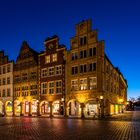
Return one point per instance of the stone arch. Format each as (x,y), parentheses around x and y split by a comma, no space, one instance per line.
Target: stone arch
(73,108)
(17,108)
(8,108)
(44,108)
(1,108)
(92,107)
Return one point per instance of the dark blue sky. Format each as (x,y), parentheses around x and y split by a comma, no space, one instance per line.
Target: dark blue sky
(118,23)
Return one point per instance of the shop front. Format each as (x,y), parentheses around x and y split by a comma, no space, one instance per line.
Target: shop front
(74,108)
(116,108)
(26,108)
(1,108)
(9,108)
(112,109)
(35,107)
(91,109)
(17,108)
(44,108)
(56,108)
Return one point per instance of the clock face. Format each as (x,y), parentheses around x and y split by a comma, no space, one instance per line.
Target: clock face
(50,46)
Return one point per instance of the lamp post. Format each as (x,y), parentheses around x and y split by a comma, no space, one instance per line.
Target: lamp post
(63,106)
(102,106)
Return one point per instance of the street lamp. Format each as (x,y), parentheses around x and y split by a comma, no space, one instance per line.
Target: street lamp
(102,106)
(63,106)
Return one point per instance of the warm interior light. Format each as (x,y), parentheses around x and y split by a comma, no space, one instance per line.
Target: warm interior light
(101,97)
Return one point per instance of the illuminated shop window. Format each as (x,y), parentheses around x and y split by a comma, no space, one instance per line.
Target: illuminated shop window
(93,82)
(74,84)
(83,84)
(56,108)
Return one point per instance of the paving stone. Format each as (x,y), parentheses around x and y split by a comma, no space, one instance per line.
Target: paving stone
(119,127)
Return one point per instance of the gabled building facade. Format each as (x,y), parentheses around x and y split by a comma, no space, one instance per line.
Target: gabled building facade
(80,82)
(52,78)
(6,85)
(26,95)
(91,90)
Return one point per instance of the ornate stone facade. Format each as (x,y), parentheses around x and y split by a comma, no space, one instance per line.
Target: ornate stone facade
(6,85)
(26,95)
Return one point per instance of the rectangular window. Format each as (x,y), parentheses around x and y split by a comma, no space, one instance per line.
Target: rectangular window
(83,54)
(4,69)
(92,82)
(43,72)
(58,86)
(3,94)
(58,70)
(54,57)
(74,56)
(8,80)
(83,68)
(8,92)
(51,87)
(17,79)
(92,51)
(44,88)
(4,81)
(47,59)
(74,84)
(75,70)
(83,41)
(24,76)
(33,75)
(8,68)
(51,71)
(92,67)
(83,84)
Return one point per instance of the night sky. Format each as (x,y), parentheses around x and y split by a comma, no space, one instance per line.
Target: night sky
(117,21)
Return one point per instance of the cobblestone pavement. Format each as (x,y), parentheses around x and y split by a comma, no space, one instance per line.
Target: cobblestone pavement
(119,127)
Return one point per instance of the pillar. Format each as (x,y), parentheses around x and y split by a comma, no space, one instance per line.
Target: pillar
(21,110)
(38,109)
(51,115)
(30,108)
(82,110)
